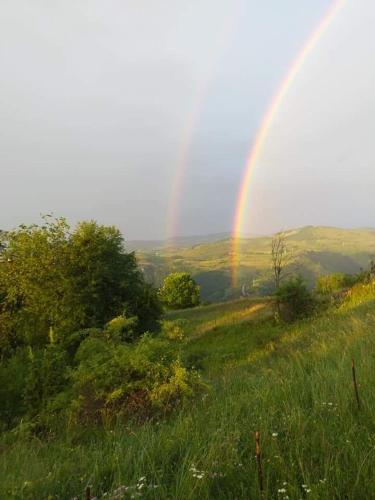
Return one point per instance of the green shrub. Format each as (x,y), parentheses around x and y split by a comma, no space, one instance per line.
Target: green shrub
(173,330)
(295,299)
(46,377)
(122,328)
(135,381)
(332,283)
(13,373)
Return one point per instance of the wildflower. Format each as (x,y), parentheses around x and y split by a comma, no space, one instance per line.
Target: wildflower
(275,434)
(281,490)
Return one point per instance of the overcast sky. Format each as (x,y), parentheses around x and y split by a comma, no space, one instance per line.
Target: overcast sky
(97,98)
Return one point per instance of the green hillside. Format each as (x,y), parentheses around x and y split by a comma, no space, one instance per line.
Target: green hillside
(316,251)
(292,383)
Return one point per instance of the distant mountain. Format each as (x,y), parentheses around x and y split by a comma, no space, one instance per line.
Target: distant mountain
(317,251)
(179,242)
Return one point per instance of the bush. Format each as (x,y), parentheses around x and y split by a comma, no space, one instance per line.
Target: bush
(332,283)
(180,291)
(122,329)
(295,300)
(13,373)
(135,381)
(173,330)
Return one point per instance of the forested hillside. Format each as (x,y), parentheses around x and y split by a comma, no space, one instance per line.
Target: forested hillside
(316,251)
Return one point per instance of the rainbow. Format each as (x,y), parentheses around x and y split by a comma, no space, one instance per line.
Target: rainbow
(182,164)
(192,122)
(264,128)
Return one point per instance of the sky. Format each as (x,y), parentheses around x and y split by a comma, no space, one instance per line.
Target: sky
(136,113)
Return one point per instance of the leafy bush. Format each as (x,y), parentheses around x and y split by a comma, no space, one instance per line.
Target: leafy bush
(295,299)
(173,330)
(74,309)
(180,291)
(134,381)
(13,372)
(335,282)
(122,328)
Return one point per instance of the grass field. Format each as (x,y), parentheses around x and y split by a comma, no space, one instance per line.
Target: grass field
(293,384)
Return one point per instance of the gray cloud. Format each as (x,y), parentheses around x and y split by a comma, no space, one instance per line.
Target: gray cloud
(95,98)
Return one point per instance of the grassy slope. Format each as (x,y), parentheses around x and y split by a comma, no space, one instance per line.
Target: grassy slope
(293,384)
(317,250)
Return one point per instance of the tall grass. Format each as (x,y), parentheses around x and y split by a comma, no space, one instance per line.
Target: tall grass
(294,387)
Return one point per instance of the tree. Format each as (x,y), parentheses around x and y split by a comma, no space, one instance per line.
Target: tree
(294,299)
(280,258)
(34,284)
(54,281)
(179,291)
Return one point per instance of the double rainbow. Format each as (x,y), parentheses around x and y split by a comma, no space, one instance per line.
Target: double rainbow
(264,128)
(257,145)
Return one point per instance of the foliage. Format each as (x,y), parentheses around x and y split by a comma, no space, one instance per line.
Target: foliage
(180,291)
(122,328)
(54,281)
(13,373)
(173,330)
(130,381)
(335,282)
(291,382)
(96,376)
(295,299)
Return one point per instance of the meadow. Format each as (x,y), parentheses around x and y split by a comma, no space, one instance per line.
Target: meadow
(291,383)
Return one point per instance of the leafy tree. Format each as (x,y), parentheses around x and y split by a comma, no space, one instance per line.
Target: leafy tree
(107,279)
(180,291)
(35,284)
(55,281)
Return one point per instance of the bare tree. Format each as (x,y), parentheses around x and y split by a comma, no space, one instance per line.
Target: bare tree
(280,258)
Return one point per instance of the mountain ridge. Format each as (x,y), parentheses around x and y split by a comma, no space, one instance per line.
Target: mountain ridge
(317,251)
